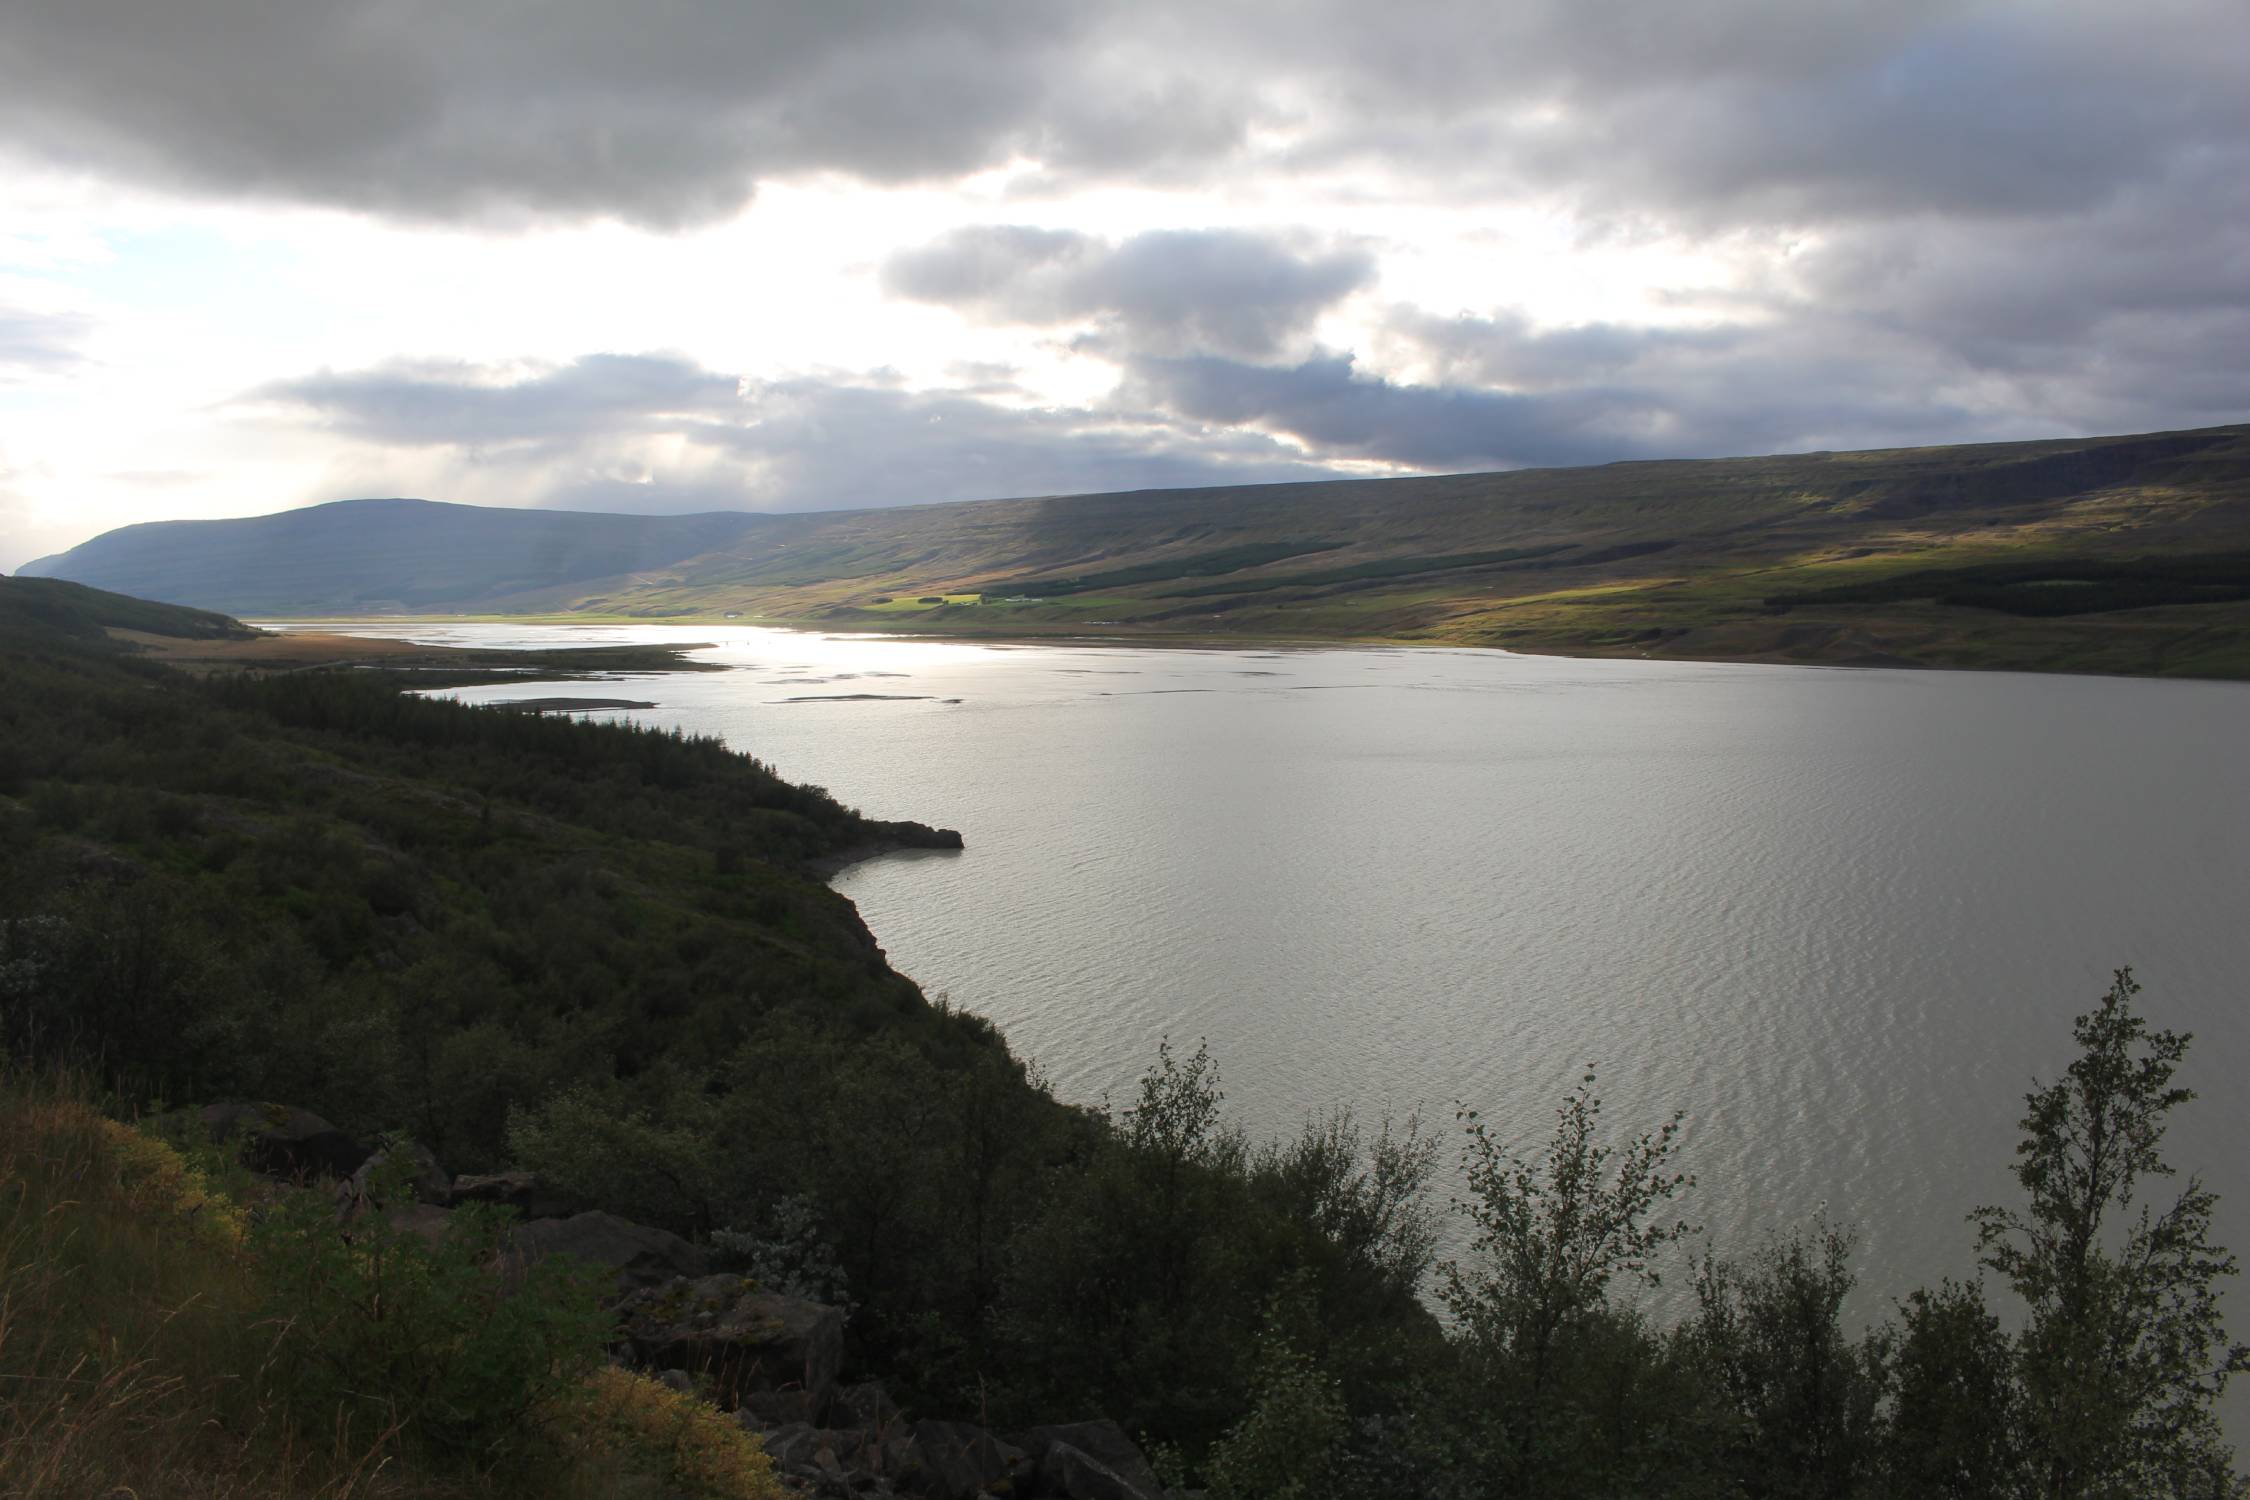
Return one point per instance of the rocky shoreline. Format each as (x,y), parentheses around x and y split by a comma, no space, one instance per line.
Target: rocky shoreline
(890,838)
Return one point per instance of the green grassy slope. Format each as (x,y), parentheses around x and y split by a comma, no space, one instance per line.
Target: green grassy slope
(1796,557)
(1829,557)
(32,605)
(604,955)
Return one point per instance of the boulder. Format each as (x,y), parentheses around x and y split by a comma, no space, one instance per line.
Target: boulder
(530,1198)
(638,1255)
(276,1139)
(421,1178)
(800,1444)
(743,1340)
(834,1460)
(1102,1462)
(425,1221)
(780,1408)
(867,1405)
(1068,1474)
(955,1461)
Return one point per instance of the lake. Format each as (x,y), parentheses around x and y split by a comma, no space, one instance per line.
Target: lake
(1841,918)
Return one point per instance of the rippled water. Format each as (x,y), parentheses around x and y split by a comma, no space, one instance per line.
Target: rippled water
(1839,917)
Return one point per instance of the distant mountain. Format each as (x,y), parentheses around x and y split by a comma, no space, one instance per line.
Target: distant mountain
(2118,554)
(383,556)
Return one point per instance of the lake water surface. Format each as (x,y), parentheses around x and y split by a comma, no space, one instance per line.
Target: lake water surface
(1841,918)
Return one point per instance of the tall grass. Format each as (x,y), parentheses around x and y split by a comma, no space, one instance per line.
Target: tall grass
(150,1348)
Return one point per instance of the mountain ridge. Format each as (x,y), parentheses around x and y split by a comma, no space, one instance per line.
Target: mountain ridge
(1785,557)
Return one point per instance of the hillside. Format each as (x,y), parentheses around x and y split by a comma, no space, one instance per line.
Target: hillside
(605,957)
(203,642)
(2125,554)
(382,556)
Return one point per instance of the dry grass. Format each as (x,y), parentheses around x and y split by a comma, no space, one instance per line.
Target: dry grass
(125,1316)
(697,1451)
(138,1356)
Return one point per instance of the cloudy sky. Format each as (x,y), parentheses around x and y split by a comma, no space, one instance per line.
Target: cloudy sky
(701,254)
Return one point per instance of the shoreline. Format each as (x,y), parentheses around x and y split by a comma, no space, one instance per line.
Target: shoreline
(906,838)
(1164,642)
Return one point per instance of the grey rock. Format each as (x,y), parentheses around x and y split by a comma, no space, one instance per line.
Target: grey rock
(1069,1474)
(424,1180)
(961,1462)
(1102,1443)
(425,1221)
(276,1139)
(638,1255)
(744,1341)
(867,1405)
(521,1191)
(780,1408)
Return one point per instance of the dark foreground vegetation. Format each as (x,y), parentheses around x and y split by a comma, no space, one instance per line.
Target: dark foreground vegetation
(596,955)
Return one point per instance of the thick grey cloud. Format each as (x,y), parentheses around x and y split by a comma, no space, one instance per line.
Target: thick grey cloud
(661,114)
(656,433)
(1230,290)
(1778,110)
(1617,391)
(419,404)
(1770,111)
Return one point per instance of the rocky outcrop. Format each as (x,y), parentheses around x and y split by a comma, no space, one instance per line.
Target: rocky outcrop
(276,1139)
(881,839)
(740,1341)
(521,1191)
(637,1255)
(955,1461)
(1089,1461)
(426,1221)
(412,1168)
(1067,1474)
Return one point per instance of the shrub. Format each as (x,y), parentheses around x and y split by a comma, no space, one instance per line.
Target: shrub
(389,1332)
(622,1419)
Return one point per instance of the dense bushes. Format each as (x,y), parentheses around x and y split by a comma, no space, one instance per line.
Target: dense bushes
(388,1330)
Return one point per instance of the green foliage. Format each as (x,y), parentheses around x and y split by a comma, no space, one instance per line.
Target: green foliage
(1289,1445)
(595,1147)
(389,1331)
(72,609)
(1138,1286)
(1954,1421)
(1532,1301)
(2125,1354)
(1381,568)
(2052,586)
(1194,565)
(1799,1393)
